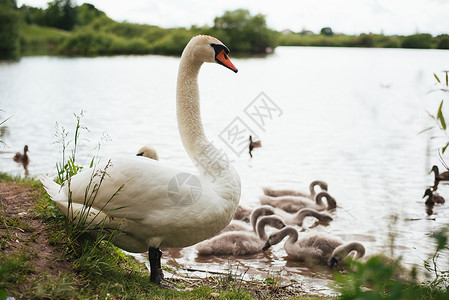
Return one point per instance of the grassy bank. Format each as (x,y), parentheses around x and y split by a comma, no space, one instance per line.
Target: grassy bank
(38,260)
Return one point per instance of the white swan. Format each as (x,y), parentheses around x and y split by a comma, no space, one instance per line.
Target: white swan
(240,242)
(312,248)
(147,151)
(152,205)
(294,203)
(285,192)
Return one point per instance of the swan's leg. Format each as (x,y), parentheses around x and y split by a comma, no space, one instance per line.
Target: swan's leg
(159,266)
(154,255)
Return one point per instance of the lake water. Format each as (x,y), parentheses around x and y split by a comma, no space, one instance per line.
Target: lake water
(348,116)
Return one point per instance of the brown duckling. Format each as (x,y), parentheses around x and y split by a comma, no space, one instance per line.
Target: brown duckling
(253,144)
(22,158)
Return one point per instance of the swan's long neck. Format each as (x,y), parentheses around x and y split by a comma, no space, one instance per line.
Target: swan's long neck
(312,189)
(319,198)
(348,248)
(261,211)
(305,212)
(188,106)
(292,234)
(208,160)
(260,227)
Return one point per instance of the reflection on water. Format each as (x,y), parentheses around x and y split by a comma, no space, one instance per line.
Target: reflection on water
(350,117)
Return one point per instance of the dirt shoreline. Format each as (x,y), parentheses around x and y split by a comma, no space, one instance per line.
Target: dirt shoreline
(22,230)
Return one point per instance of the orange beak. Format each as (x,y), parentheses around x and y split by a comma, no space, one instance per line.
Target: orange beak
(223,59)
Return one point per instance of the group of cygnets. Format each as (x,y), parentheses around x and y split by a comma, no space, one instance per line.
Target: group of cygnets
(285,210)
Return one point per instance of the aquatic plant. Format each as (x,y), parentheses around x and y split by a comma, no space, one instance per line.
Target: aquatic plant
(382,277)
(440,120)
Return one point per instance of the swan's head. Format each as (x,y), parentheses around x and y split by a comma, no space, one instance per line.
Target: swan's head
(325,218)
(278,236)
(273,221)
(331,203)
(206,48)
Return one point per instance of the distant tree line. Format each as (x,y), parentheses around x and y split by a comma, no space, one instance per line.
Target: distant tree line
(327,38)
(66,29)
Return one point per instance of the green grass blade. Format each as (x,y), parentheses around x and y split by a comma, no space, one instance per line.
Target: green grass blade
(440,116)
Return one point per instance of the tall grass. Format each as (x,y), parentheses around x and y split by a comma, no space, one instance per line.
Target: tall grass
(82,218)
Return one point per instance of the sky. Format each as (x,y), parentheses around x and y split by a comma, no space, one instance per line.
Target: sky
(403,17)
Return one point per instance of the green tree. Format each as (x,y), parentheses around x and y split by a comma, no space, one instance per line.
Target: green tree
(87,13)
(9,29)
(420,40)
(443,41)
(33,15)
(244,32)
(326,31)
(364,40)
(61,14)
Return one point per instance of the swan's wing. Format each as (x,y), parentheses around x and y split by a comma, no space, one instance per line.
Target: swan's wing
(129,187)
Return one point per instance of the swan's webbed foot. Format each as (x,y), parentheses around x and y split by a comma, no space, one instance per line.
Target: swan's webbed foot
(156,273)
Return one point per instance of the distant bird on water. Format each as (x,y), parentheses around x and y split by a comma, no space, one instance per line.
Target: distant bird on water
(22,158)
(147,151)
(434,198)
(439,176)
(252,145)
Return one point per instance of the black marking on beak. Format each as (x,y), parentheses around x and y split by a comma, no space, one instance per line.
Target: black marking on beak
(332,262)
(266,246)
(139,154)
(219,47)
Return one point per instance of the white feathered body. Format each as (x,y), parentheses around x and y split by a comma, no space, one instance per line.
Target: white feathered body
(134,194)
